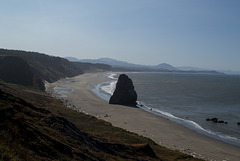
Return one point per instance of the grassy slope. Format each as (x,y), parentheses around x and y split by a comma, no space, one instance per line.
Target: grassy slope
(35,126)
(45,67)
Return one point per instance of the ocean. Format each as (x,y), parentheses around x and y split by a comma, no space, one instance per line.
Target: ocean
(187,99)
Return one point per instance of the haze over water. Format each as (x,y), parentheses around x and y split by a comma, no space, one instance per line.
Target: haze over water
(189,99)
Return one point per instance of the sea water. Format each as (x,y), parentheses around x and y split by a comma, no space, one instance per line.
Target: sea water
(187,99)
(61,91)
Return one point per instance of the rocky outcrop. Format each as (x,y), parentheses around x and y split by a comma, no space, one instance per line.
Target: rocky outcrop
(124,93)
(215,120)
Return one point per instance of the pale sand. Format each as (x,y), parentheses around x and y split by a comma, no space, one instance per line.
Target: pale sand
(161,130)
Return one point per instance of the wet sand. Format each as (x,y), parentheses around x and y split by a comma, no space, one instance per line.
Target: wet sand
(161,130)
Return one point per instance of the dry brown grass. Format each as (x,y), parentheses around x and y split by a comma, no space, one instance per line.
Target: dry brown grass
(35,126)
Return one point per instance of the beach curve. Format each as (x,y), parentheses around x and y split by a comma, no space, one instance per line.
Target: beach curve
(161,130)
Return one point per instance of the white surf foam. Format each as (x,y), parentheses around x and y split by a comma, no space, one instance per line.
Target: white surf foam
(104,90)
(112,75)
(110,88)
(190,124)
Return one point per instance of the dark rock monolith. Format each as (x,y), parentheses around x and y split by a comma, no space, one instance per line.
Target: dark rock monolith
(124,93)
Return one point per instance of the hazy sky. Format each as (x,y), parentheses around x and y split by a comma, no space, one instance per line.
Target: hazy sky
(199,33)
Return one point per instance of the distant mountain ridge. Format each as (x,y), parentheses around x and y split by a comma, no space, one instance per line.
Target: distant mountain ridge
(187,68)
(230,72)
(109,61)
(163,67)
(123,64)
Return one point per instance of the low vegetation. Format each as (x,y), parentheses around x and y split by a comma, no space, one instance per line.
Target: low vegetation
(35,126)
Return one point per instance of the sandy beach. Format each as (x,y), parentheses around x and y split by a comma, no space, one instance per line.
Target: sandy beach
(161,130)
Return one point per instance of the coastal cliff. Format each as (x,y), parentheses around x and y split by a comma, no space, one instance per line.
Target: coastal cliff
(33,68)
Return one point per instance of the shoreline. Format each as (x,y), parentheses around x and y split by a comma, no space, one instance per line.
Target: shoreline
(163,131)
(107,90)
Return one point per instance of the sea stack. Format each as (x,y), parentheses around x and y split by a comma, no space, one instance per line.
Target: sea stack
(124,93)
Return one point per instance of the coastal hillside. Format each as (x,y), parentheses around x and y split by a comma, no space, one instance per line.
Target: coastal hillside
(32,68)
(91,67)
(35,126)
(16,70)
(48,68)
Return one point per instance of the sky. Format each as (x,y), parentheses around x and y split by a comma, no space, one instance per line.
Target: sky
(197,33)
